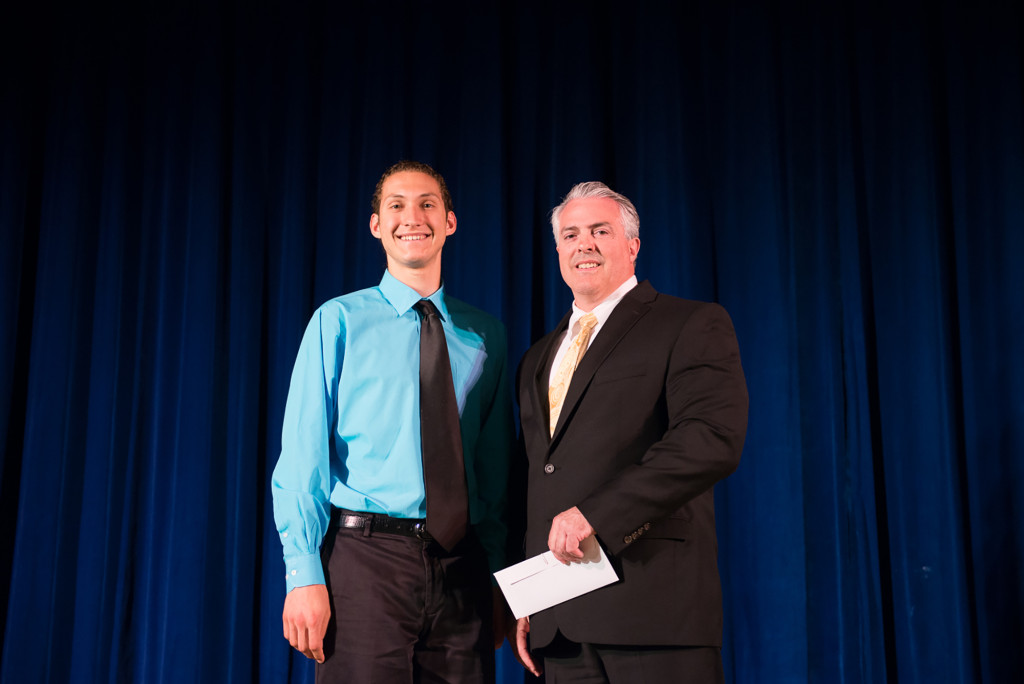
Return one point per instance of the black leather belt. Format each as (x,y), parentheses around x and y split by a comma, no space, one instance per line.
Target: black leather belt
(377,523)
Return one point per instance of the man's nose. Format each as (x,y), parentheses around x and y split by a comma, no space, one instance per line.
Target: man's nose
(412,216)
(585,243)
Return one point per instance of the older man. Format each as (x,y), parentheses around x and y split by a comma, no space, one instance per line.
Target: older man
(632,408)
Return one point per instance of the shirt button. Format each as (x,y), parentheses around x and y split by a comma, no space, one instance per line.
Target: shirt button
(285,535)
(549,468)
(295,572)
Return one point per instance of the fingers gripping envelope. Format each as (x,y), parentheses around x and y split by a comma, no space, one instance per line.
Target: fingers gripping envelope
(542,581)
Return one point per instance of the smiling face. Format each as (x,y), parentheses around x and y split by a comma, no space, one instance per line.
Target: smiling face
(411,222)
(594,254)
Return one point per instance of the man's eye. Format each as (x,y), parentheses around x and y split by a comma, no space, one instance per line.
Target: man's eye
(428,205)
(568,236)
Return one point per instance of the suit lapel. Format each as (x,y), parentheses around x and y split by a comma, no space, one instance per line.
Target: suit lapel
(624,316)
(543,374)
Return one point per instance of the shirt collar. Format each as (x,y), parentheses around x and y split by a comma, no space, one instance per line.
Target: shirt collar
(402,297)
(603,310)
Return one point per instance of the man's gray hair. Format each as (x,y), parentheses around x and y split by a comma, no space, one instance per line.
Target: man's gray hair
(627,212)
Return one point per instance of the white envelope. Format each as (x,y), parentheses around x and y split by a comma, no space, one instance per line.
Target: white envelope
(541,582)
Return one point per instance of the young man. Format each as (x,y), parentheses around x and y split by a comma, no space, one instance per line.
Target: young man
(384,462)
(631,409)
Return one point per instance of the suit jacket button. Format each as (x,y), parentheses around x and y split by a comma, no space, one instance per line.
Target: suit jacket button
(647,525)
(549,468)
(626,539)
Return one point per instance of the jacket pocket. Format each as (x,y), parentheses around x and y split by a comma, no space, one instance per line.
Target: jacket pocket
(614,373)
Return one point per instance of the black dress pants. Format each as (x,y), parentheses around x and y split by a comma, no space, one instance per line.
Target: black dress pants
(405,610)
(567,662)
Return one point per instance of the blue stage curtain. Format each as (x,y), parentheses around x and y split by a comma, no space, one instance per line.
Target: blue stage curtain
(181,184)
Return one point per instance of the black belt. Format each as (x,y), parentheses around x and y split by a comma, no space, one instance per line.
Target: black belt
(376,523)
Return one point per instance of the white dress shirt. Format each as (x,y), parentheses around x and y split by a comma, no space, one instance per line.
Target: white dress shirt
(602,311)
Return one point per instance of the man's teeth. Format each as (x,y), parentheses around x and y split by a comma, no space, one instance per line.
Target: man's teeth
(411,238)
(587,265)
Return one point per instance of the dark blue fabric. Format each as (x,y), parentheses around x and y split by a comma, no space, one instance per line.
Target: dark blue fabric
(181,184)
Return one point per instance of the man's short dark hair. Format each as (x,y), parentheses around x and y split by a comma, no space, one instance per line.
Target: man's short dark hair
(408,165)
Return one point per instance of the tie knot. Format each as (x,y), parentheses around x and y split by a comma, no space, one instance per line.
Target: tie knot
(425,307)
(587,322)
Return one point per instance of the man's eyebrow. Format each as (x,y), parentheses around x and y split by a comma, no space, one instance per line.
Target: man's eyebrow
(592,226)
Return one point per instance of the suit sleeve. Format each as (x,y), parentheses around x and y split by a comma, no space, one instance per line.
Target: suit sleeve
(493,454)
(706,402)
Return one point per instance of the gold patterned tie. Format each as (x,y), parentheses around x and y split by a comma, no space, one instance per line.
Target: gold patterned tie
(575,352)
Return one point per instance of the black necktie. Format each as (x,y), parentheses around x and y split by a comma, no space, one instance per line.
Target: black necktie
(444,474)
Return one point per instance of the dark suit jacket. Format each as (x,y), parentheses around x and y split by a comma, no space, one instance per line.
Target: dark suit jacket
(655,415)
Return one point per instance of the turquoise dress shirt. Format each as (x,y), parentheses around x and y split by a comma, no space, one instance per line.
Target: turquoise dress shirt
(351,431)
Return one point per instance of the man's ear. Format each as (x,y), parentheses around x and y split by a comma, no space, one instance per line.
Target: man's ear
(450,223)
(375,225)
(634,249)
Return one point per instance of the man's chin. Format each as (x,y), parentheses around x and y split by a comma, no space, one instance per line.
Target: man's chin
(412,262)
(584,287)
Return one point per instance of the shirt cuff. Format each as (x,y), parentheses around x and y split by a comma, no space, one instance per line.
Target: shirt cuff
(301,571)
